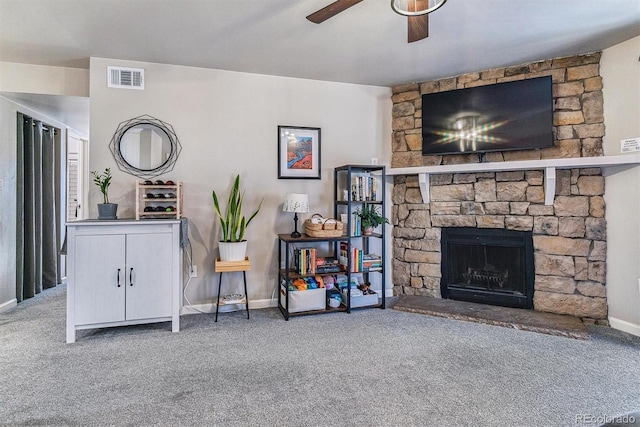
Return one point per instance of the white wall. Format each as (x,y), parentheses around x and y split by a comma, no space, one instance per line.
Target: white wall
(8,171)
(41,79)
(620,70)
(34,79)
(227,124)
(8,128)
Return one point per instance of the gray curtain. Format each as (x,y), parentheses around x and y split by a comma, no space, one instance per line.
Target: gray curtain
(37,211)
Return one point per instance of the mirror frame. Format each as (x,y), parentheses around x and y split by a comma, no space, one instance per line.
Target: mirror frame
(145,119)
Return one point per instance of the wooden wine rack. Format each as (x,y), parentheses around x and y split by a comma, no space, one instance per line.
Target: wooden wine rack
(143,201)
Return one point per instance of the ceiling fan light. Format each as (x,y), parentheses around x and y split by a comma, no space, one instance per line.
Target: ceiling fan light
(415,7)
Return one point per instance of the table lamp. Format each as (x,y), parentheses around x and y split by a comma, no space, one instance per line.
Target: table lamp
(296,202)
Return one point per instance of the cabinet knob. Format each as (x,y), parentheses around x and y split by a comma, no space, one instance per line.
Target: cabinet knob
(131,277)
(118,277)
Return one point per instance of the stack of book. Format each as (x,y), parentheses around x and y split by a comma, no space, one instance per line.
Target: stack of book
(327,265)
(307,262)
(371,262)
(233,299)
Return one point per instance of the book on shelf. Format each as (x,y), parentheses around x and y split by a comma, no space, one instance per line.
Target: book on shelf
(360,262)
(351,256)
(356,225)
(305,261)
(363,187)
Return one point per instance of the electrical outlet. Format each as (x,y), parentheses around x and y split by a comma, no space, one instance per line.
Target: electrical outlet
(1,184)
(374,160)
(194,271)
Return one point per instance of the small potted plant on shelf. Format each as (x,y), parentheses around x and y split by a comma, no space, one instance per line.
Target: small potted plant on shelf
(370,218)
(233,223)
(106,210)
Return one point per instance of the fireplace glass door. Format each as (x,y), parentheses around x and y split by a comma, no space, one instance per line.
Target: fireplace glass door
(489,266)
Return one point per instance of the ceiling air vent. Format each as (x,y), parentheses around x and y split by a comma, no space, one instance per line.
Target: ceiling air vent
(125,78)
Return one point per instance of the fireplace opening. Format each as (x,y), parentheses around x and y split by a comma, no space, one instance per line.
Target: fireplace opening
(490,266)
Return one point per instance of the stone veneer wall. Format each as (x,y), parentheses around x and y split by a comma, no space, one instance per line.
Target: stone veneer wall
(569,237)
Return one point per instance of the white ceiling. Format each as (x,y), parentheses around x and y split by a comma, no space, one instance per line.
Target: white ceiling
(365,44)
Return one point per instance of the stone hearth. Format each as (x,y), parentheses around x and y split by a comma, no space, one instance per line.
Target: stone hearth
(525,320)
(569,237)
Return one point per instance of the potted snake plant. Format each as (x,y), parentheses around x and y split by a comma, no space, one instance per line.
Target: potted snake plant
(233,246)
(106,210)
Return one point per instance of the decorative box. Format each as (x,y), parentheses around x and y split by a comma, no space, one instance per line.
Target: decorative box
(361,300)
(309,300)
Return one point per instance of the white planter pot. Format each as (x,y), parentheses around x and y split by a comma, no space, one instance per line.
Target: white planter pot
(233,251)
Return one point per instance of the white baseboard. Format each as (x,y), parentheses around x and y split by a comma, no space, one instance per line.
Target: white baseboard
(211,308)
(7,305)
(624,326)
(253,304)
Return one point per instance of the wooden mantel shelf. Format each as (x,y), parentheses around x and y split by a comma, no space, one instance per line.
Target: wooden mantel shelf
(549,166)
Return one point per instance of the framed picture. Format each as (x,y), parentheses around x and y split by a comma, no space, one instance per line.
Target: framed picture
(298,152)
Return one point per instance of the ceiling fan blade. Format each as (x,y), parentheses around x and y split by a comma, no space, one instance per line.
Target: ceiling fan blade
(418,27)
(332,10)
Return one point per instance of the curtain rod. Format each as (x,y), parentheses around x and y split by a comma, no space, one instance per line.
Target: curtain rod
(44,126)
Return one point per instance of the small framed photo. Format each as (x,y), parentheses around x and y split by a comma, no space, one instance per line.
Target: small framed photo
(298,152)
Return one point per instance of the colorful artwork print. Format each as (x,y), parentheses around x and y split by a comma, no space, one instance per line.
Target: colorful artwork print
(300,152)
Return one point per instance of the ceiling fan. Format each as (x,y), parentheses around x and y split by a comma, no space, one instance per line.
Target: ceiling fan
(416,11)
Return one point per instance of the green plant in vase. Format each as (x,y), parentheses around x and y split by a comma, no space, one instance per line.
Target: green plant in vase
(106,210)
(103,181)
(370,218)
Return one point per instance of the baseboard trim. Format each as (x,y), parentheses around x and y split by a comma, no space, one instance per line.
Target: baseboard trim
(211,308)
(253,304)
(8,305)
(624,326)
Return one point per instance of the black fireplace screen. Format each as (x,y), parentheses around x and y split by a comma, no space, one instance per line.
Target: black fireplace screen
(491,266)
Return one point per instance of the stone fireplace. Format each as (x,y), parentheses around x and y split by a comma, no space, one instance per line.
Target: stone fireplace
(568,237)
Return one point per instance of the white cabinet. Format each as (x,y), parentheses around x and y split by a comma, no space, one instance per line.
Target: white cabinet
(148,276)
(98,279)
(123,273)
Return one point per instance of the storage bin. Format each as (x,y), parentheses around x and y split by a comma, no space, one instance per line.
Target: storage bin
(361,300)
(311,299)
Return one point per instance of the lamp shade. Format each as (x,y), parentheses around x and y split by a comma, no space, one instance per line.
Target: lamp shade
(296,202)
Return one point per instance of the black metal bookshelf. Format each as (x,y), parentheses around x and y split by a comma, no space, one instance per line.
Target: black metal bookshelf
(343,176)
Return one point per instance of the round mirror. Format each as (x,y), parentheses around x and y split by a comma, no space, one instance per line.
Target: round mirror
(145,147)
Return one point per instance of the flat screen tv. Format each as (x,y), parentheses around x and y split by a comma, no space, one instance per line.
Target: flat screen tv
(505,116)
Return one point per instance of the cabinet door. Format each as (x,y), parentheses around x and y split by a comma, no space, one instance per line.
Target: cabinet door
(98,299)
(149,275)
